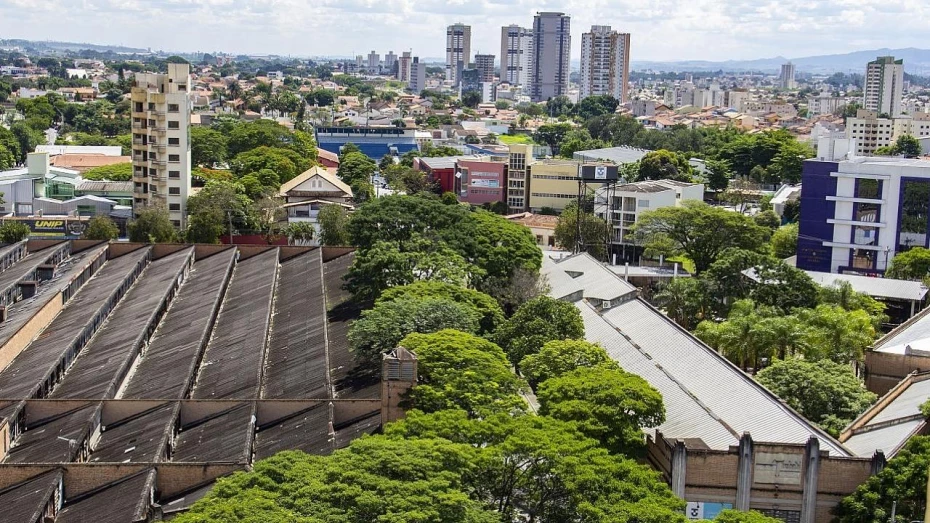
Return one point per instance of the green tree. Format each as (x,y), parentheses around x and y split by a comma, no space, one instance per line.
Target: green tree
(333,221)
(282,164)
(12,232)
(908,146)
(471,99)
(608,404)
(664,165)
(594,231)
(725,276)
(827,393)
(355,167)
(912,264)
(684,301)
(718,175)
(783,286)
(458,370)
(152,225)
(902,482)
(785,241)
(117,172)
(208,146)
(578,140)
(598,105)
(768,219)
(214,208)
(701,232)
(737,516)
(489,312)
(843,295)
(100,227)
(380,329)
(560,357)
(387,264)
(536,323)
(837,334)
(551,134)
(299,233)
(27,139)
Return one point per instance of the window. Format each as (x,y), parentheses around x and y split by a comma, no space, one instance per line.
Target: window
(151,106)
(174,191)
(915,207)
(644,204)
(176,223)
(174,206)
(174,141)
(174,174)
(174,124)
(173,108)
(138,107)
(174,157)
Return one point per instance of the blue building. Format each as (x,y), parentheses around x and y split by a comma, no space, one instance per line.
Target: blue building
(374,142)
(858,212)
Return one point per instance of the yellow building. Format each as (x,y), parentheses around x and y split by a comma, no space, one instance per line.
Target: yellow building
(554,183)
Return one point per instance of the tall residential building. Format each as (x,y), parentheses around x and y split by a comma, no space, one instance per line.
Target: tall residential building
(484,63)
(605,63)
(390,60)
(403,67)
(519,157)
(417,75)
(786,79)
(871,131)
(161,153)
(516,49)
(374,62)
(458,50)
(884,85)
(549,63)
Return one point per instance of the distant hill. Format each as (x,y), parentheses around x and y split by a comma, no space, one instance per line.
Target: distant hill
(70,46)
(916,61)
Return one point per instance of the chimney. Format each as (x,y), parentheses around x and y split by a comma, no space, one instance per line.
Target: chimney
(398,375)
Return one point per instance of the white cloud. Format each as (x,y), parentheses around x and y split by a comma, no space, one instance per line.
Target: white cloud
(661,30)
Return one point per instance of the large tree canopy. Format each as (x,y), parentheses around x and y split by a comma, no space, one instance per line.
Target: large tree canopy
(536,323)
(701,232)
(490,313)
(825,392)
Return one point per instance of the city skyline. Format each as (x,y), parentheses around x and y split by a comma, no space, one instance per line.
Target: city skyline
(672,30)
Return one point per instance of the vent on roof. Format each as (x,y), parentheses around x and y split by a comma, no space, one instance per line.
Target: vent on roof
(574,274)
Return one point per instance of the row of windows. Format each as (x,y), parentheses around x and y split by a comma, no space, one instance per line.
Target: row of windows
(554,195)
(554,177)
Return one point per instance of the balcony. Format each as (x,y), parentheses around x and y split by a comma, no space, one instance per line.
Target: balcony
(159,163)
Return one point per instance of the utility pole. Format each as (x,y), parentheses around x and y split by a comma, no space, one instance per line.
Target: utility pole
(229,216)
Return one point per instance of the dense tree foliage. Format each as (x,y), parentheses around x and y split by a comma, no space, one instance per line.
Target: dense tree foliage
(664,165)
(912,264)
(903,481)
(100,227)
(333,220)
(608,404)
(208,146)
(785,241)
(488,310)
(152,225)
(536,323)
(594,231)
(458,370)
(215,208)
(559,357)
(700,232)
(827,393)
(117,172)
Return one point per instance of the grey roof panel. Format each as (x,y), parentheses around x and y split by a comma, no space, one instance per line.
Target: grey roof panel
(25,502)
(887,439)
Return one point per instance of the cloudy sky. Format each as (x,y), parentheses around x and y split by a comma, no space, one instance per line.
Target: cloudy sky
(661,29)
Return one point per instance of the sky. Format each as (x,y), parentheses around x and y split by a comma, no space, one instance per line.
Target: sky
(664,30)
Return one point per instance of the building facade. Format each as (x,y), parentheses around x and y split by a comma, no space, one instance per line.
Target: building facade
(458,50)
(549,62)
(516,50)
(390,60)
(308,192)
(484,63)
(374,62)
(857,213)
(417,80)
(871,131)
(553,184)
(403,67)
(519,158)
(605,63)
(628,201)
(884,86)
(161,154)
(786,79)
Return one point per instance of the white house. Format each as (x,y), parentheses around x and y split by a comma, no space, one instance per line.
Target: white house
(307,193)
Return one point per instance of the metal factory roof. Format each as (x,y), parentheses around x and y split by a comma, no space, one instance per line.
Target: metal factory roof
(26,500)
(232,362)
(707,397)
(911,337)
(892,420)
(124,501)
(580,275)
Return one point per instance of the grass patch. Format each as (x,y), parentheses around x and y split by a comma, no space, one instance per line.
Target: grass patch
(685,263)
(515,139)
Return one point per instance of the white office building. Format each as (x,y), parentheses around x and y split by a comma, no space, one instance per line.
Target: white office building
(630,200)
(161,153)
(458,50)
(884,86)
(374,62)
(605,63)
(417,75)
(390,59)
(871,132)
(516,49)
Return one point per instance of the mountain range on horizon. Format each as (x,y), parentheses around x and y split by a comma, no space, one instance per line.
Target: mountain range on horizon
(916,61)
